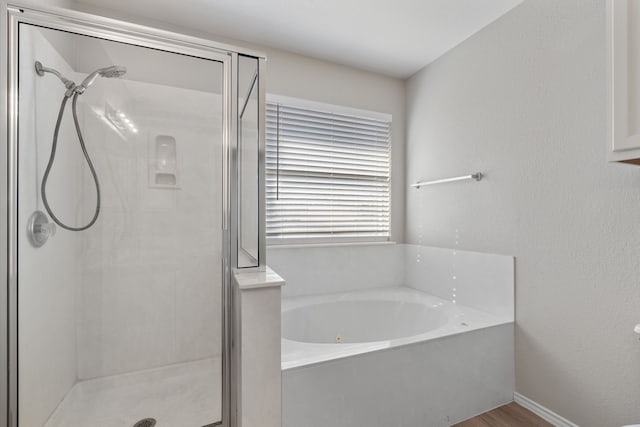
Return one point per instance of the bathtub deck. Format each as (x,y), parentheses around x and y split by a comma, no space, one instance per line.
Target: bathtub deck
(187,394)
(462,319)
(510,415)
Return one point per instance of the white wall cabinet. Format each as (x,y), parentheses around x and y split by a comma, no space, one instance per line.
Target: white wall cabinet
(623,75)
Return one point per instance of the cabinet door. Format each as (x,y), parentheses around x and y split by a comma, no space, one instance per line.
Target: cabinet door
(624,80)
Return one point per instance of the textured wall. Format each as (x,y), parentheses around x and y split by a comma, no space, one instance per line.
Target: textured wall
(524,101)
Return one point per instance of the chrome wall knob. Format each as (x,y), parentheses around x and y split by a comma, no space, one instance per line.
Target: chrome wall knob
(39,229)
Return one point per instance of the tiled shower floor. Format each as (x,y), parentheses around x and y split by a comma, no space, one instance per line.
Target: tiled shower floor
(183,395)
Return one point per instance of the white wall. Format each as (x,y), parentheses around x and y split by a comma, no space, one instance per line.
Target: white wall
(524,101)
(57,3)
(299,76)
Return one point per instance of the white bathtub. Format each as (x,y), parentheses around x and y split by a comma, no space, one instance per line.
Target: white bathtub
(358,351)
(321,328)
(391,357)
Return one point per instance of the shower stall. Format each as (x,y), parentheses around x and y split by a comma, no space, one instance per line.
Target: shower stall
(133,180)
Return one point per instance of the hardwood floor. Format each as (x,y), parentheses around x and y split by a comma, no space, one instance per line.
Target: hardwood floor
(511,415)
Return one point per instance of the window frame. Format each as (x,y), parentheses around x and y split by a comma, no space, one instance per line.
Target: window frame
(340,110)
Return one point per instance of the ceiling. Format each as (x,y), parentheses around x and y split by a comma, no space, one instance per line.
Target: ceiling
(392,37)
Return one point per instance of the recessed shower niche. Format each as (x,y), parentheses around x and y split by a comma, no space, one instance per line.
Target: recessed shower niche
(163,163)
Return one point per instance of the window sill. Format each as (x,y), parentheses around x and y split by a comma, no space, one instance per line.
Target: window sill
(325,245)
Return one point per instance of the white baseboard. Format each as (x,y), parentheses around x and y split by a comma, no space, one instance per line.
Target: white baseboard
(542,412)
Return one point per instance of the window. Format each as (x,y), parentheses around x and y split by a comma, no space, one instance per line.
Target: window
(327,174)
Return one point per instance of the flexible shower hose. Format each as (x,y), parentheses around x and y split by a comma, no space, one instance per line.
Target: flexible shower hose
(52,156)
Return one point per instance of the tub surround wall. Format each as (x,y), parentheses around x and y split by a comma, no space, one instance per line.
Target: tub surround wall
(328,269)
(479,280)
(482,281)
(524,100)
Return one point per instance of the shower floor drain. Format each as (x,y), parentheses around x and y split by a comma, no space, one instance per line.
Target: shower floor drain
(147,422)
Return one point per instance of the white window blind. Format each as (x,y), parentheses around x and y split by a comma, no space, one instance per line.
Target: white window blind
(327,176)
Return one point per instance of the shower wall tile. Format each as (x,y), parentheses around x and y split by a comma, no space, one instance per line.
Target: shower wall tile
(128,322)
(198,308)
(152,282)
(49,275)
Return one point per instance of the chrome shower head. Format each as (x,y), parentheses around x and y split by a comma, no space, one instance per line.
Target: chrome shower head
(113,71)
(107,72)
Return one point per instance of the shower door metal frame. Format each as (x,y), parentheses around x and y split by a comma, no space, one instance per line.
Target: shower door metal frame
(13,14)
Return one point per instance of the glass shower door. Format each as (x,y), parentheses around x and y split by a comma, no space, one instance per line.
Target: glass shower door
(120,247)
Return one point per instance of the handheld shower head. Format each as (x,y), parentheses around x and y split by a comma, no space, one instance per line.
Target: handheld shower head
(107,72)
(113,71)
